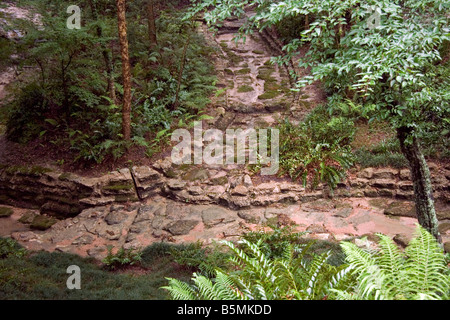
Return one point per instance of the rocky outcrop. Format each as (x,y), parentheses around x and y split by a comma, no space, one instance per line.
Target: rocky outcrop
(66,195)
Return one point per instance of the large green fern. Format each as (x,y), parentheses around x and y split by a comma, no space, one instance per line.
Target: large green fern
(258,277)
(420,272)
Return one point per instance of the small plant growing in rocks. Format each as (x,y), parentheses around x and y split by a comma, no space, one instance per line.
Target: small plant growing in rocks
(123,258)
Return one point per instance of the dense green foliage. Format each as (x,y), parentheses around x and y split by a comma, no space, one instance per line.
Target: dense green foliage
(420,272)
(317,150)
(259,277)
(122,258)
(66,100)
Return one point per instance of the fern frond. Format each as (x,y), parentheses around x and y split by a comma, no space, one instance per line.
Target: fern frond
(426,266)
(225,287)
(313,274)
(391,261)
(180,290)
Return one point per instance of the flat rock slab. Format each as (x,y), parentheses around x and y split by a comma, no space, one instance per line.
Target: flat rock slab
(401,208)
(181,227)
(215,215)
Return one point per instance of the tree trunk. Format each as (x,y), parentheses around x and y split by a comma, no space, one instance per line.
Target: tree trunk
(107,56)
(423,190)
(126,74)
(180,72)
(151,25)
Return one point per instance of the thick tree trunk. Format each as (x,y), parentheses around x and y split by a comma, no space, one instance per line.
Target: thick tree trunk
(126,74)
(151,24)
(423,190)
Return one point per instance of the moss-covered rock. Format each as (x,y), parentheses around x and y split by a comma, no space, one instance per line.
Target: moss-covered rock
(5,212)
(258,52)
(245,88)
(33,170)
(229,72)
(28,217)
(65,176)
(243,71)
(41,222)
(196,174)
(269,95)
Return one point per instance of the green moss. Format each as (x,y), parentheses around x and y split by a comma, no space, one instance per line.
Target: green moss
(170,173)
(229,72)
(119,187)
(245,88)
(5,212)
(41,222)
(65,176)
(271,86)
(27,217)
(266,74)
(269,95)
(219,181)
(243,71)
(34,170)
(258,52)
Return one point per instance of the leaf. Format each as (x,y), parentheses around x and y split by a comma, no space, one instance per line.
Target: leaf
(53,122)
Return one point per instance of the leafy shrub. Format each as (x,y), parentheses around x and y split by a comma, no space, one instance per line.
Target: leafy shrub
(123,257)
(10,248)
(273,243)
(26,113)
(204,260)
(315,156)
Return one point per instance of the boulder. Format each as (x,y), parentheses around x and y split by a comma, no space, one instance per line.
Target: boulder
(447,246)
(240,190)
(5,212)
(384,183)
(196,174)
(249,216)
(367,173)
(42,222)
(401,208)
(181,227)
(115,217)
(215,215)
(384,173)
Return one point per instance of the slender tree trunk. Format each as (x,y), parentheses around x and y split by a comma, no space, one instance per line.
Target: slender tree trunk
(126,74)
(180,73)
(107,56)
(423,190)
(151,25)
